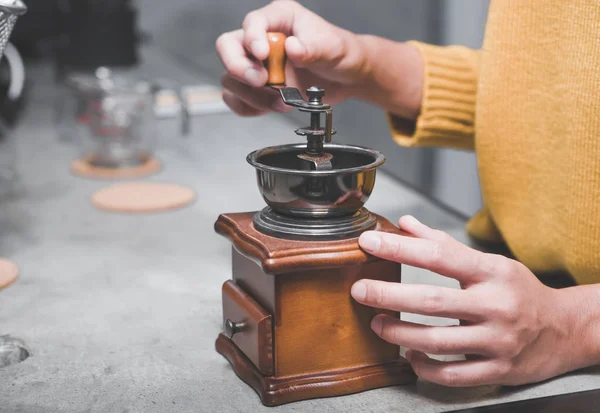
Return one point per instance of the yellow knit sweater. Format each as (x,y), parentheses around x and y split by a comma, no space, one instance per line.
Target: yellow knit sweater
(529,104)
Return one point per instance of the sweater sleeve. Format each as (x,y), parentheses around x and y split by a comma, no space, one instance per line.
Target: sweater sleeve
(447,115)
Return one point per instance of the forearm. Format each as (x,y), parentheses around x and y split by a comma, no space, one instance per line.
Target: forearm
(429,92)
(581,309)
(393,76)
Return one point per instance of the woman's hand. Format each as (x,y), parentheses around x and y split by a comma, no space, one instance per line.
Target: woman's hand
(513,329)
(319,54)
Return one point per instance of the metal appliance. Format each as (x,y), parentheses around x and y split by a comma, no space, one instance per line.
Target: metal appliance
(12,350)
(12,69)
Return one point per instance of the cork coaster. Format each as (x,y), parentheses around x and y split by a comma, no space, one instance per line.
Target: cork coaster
(143,197)
(84,169)
(9,272)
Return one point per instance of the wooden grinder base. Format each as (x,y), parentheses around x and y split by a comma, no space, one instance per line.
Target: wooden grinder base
(295,331)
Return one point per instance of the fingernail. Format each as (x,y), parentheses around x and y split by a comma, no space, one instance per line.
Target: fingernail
(259,49)
(409,354)
(370,241)
(377,325)
(359,291)
(412,219)
(253,77)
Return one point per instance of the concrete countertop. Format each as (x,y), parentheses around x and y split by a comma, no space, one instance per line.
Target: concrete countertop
(120,312)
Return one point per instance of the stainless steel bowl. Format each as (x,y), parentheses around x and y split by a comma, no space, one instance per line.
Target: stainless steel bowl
(292,191)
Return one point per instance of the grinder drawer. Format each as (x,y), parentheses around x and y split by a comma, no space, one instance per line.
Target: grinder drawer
(248,325)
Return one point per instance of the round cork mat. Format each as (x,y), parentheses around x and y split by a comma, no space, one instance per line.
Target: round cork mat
(143,197)
(84,169)
(9,272)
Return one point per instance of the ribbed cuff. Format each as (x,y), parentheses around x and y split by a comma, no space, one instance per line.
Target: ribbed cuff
(449,97)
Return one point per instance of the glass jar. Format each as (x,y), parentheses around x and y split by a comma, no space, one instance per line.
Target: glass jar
(112,119)
(121,128)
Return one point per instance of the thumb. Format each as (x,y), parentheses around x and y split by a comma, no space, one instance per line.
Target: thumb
(308,50)
(296,51)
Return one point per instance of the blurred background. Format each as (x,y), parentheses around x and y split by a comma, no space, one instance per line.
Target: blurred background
(79,35)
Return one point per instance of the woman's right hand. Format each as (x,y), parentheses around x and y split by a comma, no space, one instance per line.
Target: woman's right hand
(318,52)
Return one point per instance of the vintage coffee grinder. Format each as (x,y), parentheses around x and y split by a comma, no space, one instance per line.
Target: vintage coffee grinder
(291,328)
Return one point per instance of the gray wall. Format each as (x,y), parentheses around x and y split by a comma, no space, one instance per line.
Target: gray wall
(189,31)
(454,176)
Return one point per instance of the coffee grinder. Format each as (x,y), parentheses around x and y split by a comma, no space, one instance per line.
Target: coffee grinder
(291,329)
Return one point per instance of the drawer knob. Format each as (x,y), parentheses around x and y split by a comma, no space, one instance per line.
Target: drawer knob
(232,328)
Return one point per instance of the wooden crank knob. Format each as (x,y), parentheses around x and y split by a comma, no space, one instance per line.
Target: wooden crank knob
(277,59)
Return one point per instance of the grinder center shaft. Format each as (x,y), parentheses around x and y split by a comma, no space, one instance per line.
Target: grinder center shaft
(315,157)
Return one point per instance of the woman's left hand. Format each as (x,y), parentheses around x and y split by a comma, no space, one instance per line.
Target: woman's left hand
(514,330)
